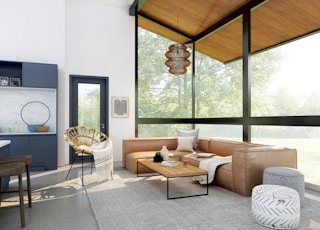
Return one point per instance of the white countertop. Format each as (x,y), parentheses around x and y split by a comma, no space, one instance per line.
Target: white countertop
(4,143)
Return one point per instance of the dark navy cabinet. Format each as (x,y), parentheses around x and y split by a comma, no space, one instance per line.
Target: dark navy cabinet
(39,75)
(43,149)
(42,146)
(5,152)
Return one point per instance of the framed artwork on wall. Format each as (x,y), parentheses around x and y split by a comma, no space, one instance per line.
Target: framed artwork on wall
(4,81)
(120,107)
(15,82)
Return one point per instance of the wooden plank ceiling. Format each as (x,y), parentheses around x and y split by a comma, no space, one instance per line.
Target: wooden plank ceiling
(216,25)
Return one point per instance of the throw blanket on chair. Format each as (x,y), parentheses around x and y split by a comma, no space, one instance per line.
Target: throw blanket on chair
(211,165)
(103,159)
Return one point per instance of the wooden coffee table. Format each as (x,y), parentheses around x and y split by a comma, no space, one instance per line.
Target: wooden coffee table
(174,172)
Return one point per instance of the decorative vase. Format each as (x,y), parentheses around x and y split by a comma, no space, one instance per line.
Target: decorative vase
(164,153)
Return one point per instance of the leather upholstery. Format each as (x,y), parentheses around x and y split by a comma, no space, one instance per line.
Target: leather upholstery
(248,159)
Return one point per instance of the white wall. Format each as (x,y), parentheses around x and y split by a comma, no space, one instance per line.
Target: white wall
(33,30)
(85,37)
(100,42)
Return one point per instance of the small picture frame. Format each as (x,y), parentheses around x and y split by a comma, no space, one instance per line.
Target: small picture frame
(15,81)
(4,81)
(120,107)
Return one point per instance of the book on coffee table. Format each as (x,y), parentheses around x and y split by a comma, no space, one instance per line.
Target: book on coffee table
(205,155)
(170,163)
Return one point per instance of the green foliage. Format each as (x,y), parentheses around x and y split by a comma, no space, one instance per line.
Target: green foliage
(218,88)
(160,94)
(89,109)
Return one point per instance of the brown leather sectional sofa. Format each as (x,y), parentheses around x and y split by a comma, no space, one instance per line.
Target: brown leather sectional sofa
(248,159)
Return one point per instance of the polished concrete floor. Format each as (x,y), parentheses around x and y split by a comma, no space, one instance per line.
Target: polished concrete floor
(57,203)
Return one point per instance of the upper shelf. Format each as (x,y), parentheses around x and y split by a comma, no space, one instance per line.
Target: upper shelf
(28,74)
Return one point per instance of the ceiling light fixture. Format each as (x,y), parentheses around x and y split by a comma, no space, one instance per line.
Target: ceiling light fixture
(177,55)
(177,59)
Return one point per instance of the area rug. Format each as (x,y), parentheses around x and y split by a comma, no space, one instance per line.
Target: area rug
(131,202)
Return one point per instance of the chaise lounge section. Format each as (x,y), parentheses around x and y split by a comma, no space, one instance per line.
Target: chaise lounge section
(240,176)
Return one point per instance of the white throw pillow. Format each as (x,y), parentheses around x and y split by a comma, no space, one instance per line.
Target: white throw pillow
(99,145)
(85,148)
(185,144)
(191,133)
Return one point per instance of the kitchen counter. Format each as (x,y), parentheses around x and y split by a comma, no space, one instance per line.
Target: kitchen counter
(4,143)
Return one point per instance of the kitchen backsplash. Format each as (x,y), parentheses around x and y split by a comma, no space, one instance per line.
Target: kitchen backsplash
(31,105)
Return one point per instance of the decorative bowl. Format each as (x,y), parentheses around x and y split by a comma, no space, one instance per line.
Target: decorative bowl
(42,128)
(33,127)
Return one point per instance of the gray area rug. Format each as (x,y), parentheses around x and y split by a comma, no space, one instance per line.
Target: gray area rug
(130,202)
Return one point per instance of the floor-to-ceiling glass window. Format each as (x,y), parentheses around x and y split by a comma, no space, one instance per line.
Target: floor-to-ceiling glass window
(160,94)
(284,83)
(290,88)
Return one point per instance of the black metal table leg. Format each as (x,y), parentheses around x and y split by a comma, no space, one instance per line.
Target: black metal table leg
(168,188)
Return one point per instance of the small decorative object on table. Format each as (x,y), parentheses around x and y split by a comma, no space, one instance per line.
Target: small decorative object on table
(170,163)
(164,153)
(157,157)
(185,163)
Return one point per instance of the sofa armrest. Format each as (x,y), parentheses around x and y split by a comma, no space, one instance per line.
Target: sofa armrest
(248,165)
(146,144)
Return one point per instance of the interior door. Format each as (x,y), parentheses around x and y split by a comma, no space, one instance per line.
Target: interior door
(89,97)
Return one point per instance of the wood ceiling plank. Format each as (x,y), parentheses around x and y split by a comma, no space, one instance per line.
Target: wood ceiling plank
(189,17)
(273,23)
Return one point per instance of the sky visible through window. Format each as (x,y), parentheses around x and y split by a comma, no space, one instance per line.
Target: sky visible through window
(301,66)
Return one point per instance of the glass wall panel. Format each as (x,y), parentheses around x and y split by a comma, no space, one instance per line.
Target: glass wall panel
(218,88)
(227,132)
(285,80)
(160,94)
(89,105)
(161,130)
(304,139)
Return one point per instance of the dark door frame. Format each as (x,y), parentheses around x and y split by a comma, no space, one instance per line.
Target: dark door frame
(104,100)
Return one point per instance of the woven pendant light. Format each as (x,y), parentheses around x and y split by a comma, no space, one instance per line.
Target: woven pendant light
(177,59)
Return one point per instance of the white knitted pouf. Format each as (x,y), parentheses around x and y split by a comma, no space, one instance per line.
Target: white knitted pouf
(275,206)
(285,176)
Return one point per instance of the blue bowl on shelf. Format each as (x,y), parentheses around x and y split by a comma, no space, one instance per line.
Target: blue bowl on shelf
(33,128)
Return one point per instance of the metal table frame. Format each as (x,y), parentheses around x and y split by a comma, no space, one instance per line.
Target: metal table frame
(168,187)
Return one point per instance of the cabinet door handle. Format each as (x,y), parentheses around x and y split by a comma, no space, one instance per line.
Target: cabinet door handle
(102,126)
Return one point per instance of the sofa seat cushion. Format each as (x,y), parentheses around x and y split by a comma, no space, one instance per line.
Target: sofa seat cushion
(131,159)
(193,159)
(224,176)
(179,154)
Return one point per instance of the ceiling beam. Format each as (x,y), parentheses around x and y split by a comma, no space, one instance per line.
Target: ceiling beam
(133,8)
(136,6)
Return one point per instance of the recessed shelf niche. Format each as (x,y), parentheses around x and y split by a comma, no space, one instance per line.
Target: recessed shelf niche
(12,100)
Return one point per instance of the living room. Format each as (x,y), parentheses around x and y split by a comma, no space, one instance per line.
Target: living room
(96,38)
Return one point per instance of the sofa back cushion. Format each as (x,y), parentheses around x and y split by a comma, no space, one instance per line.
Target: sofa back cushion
(203,145)
(226,147)
(148,144)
